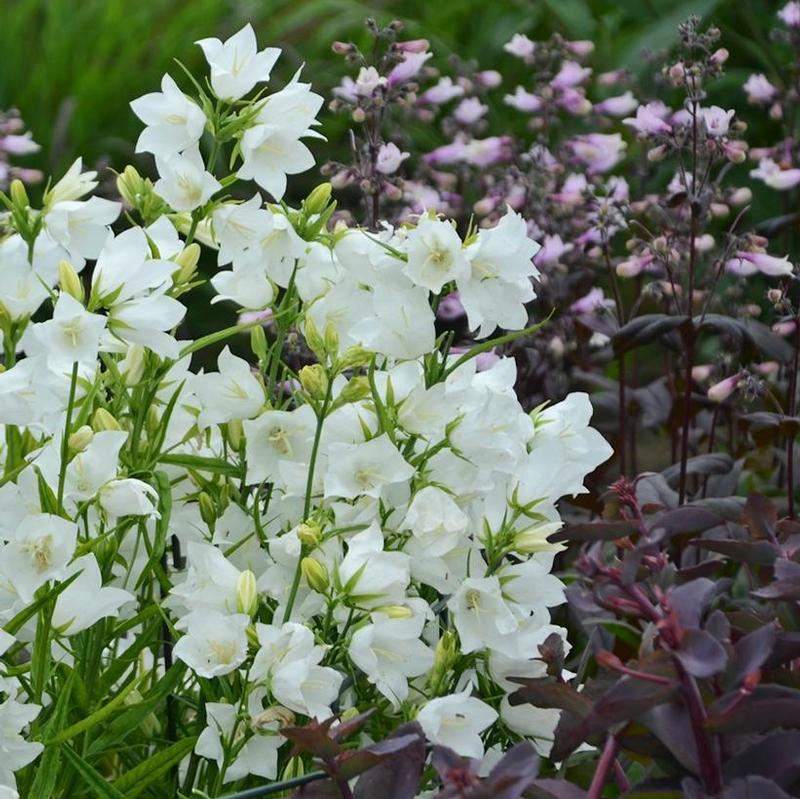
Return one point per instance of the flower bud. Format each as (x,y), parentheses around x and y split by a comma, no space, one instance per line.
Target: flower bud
(331,338)
(275,713)
(357,388)
(353,357)
(719,392)
(18,195)
(315,574)
(208,512)
(359,115)
(775,296)
(445,654)
(719,57)
(314,380)
(69,281)
(741,196)
(258,342)
(657,153)
(314,339)
(309,534)
(246,593)
(187,260)
(235,433)
(133,365)
(131,186)
(81,438)
(719,210)
(534,539)
(702,372)
(103,421)
(677,73)
(318,200)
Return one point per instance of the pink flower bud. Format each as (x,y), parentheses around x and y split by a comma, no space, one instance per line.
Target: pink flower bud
(719,392)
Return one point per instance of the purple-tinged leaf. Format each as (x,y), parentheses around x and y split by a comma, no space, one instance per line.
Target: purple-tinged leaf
(644,330)
(555,789)
(701,654)
(783,590)
(545,692)
(760,517)
(706,464)
(690,600)
(595,531)
(776,757)
(514,773)
(670,723)
(767,708)
(757,553)
(322,789)
(314,739)
(754,788)
(750,653)
(398,776)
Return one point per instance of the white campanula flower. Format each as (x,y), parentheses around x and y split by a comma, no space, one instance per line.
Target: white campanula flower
(215,644)
(128,497)
(231,393)
(258,755)
(456,721)
(146,320)
(73,185)
(365,469)
(38,551)
(210,582)
(81,227)
(22,291)
(236,64)
(184,182)
(85,601)
(435,520)
(174,122)
(16,751)
(482,616)
(389,651)
(435,254)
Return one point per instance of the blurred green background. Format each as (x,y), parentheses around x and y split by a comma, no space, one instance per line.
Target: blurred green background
(72,66)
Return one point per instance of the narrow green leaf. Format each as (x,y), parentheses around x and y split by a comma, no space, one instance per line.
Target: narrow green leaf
(133,782)
(101,788)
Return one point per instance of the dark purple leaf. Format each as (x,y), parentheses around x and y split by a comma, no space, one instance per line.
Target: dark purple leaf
(351,764)
(671,725)
(701,654)
(514,773)
(313,739)
(398,776)
(546,692)
(781,590)
(776,757)
(323,789)
(687,520)
(761,553)
(754,788)
(767,708)
(595,531)
(707,463)
(555,789)
(751,652)
(690,600)
(645,329)
(772,345)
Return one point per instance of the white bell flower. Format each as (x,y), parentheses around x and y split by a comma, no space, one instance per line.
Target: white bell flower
(16,751)
(231,393)
(435,254)
(456,721)
(184,182)
(82,226)
(435,520)
(214,644)
(236,64)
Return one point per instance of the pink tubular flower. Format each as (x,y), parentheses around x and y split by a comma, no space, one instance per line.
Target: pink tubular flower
(523,100)
(470,110)
(489,78)
(598,151)
(649,119)
(572,191)
(412,46)
(790,14)
(717,120)
(409,67)
(574,102)
(571,74)
(552,249)
(444,91)
(774,176)
(450,308)
(19,145)
(520,46)
(389,158)
(592,301)
(581,48)
(631,267)
(483,361)
(719,392)
(748,263)
(486,152)
(617,106)
(759,89)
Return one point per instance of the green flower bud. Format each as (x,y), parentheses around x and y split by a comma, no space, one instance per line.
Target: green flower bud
(314,380)
(187,260)
(103,421)
(357,388)
(134,365)
(315,573)
(246,593)
(331,338)
(19,196)
(80,439)
(208,511)
(131,186)
(395,611)
(235,433)
(309,534)
(354,357)
(258,343)
(319,198)
(314,339)
(69,281)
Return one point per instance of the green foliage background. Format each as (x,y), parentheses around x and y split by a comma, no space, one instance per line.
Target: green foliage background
(72,66)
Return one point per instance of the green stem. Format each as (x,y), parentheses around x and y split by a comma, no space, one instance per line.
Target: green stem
(62,475)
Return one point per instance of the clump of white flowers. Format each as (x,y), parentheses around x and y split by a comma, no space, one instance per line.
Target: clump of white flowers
(190,560)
